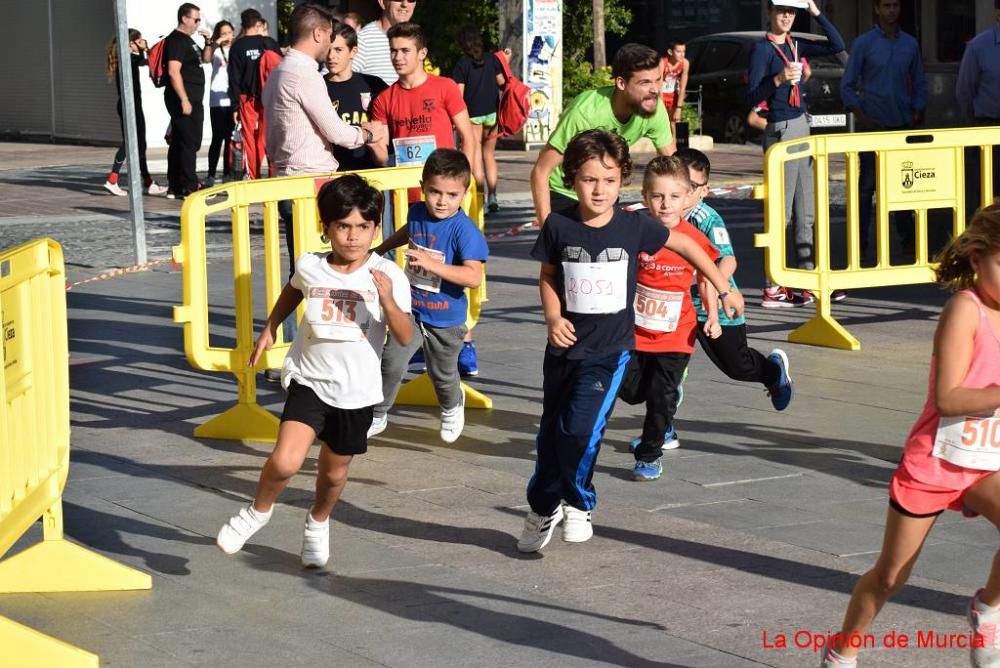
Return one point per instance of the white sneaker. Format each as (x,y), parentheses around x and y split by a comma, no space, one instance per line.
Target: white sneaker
(379,424)
(237,531)
(577,527)
(115,189)
(538,530)
(316,543)
(985,652)
(833,660)
(453,422)
(156,189)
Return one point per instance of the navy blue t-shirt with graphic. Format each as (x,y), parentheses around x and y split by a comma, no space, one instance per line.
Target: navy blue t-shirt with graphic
(564,240)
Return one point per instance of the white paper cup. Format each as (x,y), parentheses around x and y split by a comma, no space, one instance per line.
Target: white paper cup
(798,73)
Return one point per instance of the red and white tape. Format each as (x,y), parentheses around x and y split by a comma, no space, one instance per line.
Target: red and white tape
(134,269)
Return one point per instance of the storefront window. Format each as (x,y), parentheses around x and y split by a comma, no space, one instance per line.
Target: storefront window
(956,25)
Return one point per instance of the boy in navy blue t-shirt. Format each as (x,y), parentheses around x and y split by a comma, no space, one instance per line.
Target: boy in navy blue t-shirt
(590,255)
(444,256)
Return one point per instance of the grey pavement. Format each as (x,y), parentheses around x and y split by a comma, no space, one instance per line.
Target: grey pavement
(759,527)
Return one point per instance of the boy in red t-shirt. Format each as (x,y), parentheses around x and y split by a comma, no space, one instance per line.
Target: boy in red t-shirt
(665,318)
(422,108)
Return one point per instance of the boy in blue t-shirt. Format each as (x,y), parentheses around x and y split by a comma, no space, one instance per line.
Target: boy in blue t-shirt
(444,256)
(590,256)
(730,352)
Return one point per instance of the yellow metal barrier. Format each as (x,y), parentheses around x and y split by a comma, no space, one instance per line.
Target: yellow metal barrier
(246,420)
(916,171)
(34,453)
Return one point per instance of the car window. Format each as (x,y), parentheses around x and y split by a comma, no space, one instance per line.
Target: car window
(719,56)
(825,62)
(694,51)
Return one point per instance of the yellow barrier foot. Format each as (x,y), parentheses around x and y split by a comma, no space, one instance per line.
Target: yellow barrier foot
(827,332)
(24,647)
(59,566)
(420,392)
(247,422)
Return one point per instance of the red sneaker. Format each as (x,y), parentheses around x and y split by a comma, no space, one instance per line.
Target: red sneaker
(777,297)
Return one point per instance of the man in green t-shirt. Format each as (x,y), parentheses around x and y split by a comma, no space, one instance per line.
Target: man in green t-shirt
(631,108)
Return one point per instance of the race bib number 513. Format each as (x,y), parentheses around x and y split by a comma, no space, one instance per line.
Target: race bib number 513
(969,441)
(337,315)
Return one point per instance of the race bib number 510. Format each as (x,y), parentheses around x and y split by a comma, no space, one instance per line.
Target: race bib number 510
(969,441)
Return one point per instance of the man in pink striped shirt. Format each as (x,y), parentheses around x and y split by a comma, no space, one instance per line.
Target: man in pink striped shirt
(301,124)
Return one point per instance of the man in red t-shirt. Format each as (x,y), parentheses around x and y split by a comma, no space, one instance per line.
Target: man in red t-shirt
(665,318)
(421,110)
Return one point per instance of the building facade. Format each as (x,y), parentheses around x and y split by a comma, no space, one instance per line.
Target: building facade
(54,81)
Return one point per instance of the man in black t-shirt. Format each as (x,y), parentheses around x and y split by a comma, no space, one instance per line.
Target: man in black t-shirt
(245,87)
(352,94)
(184,96)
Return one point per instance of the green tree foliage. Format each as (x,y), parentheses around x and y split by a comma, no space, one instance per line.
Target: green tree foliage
(578,38)
(578,26)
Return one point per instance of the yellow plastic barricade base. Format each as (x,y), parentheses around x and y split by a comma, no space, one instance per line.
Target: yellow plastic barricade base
(24,647)
(420,392)
(62,566)
(242,422)
(246,421)
(824,331)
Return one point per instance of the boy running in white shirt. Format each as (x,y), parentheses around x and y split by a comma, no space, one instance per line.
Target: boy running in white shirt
(352,297)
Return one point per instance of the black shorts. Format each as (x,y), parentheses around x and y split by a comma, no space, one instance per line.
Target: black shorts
(345,431)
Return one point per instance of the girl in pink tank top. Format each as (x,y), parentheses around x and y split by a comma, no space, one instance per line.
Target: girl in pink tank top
(952,455)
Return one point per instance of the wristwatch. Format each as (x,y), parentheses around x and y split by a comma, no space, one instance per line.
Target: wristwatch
(369,135)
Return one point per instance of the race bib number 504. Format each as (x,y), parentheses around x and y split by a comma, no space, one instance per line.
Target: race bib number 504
(969,441)
(657,310)
(595,287)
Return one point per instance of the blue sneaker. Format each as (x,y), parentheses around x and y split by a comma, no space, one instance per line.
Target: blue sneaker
(417,363)
(670,441)
(645,471)
(781,392)
(467,362)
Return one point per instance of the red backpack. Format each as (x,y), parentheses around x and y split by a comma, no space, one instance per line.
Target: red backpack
(157,68)
(515,101)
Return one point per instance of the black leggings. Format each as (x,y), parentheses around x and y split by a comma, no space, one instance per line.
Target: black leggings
(140,131)
(222,131)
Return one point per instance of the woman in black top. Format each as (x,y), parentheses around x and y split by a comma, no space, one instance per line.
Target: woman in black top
(479,76)
(138,48)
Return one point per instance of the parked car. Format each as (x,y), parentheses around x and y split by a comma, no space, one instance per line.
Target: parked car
(719,66)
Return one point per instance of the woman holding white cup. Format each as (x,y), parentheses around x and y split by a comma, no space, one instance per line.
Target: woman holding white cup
(774,77)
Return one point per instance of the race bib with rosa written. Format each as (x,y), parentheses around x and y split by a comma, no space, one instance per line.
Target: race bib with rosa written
(969,441)
(657,310)
(595,287)
(421,278)
(340,315)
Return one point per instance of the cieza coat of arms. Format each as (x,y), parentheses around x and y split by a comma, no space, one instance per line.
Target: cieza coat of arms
(429,105)
(907,174)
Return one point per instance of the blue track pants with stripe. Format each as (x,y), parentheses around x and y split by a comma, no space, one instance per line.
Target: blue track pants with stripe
(578,397)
